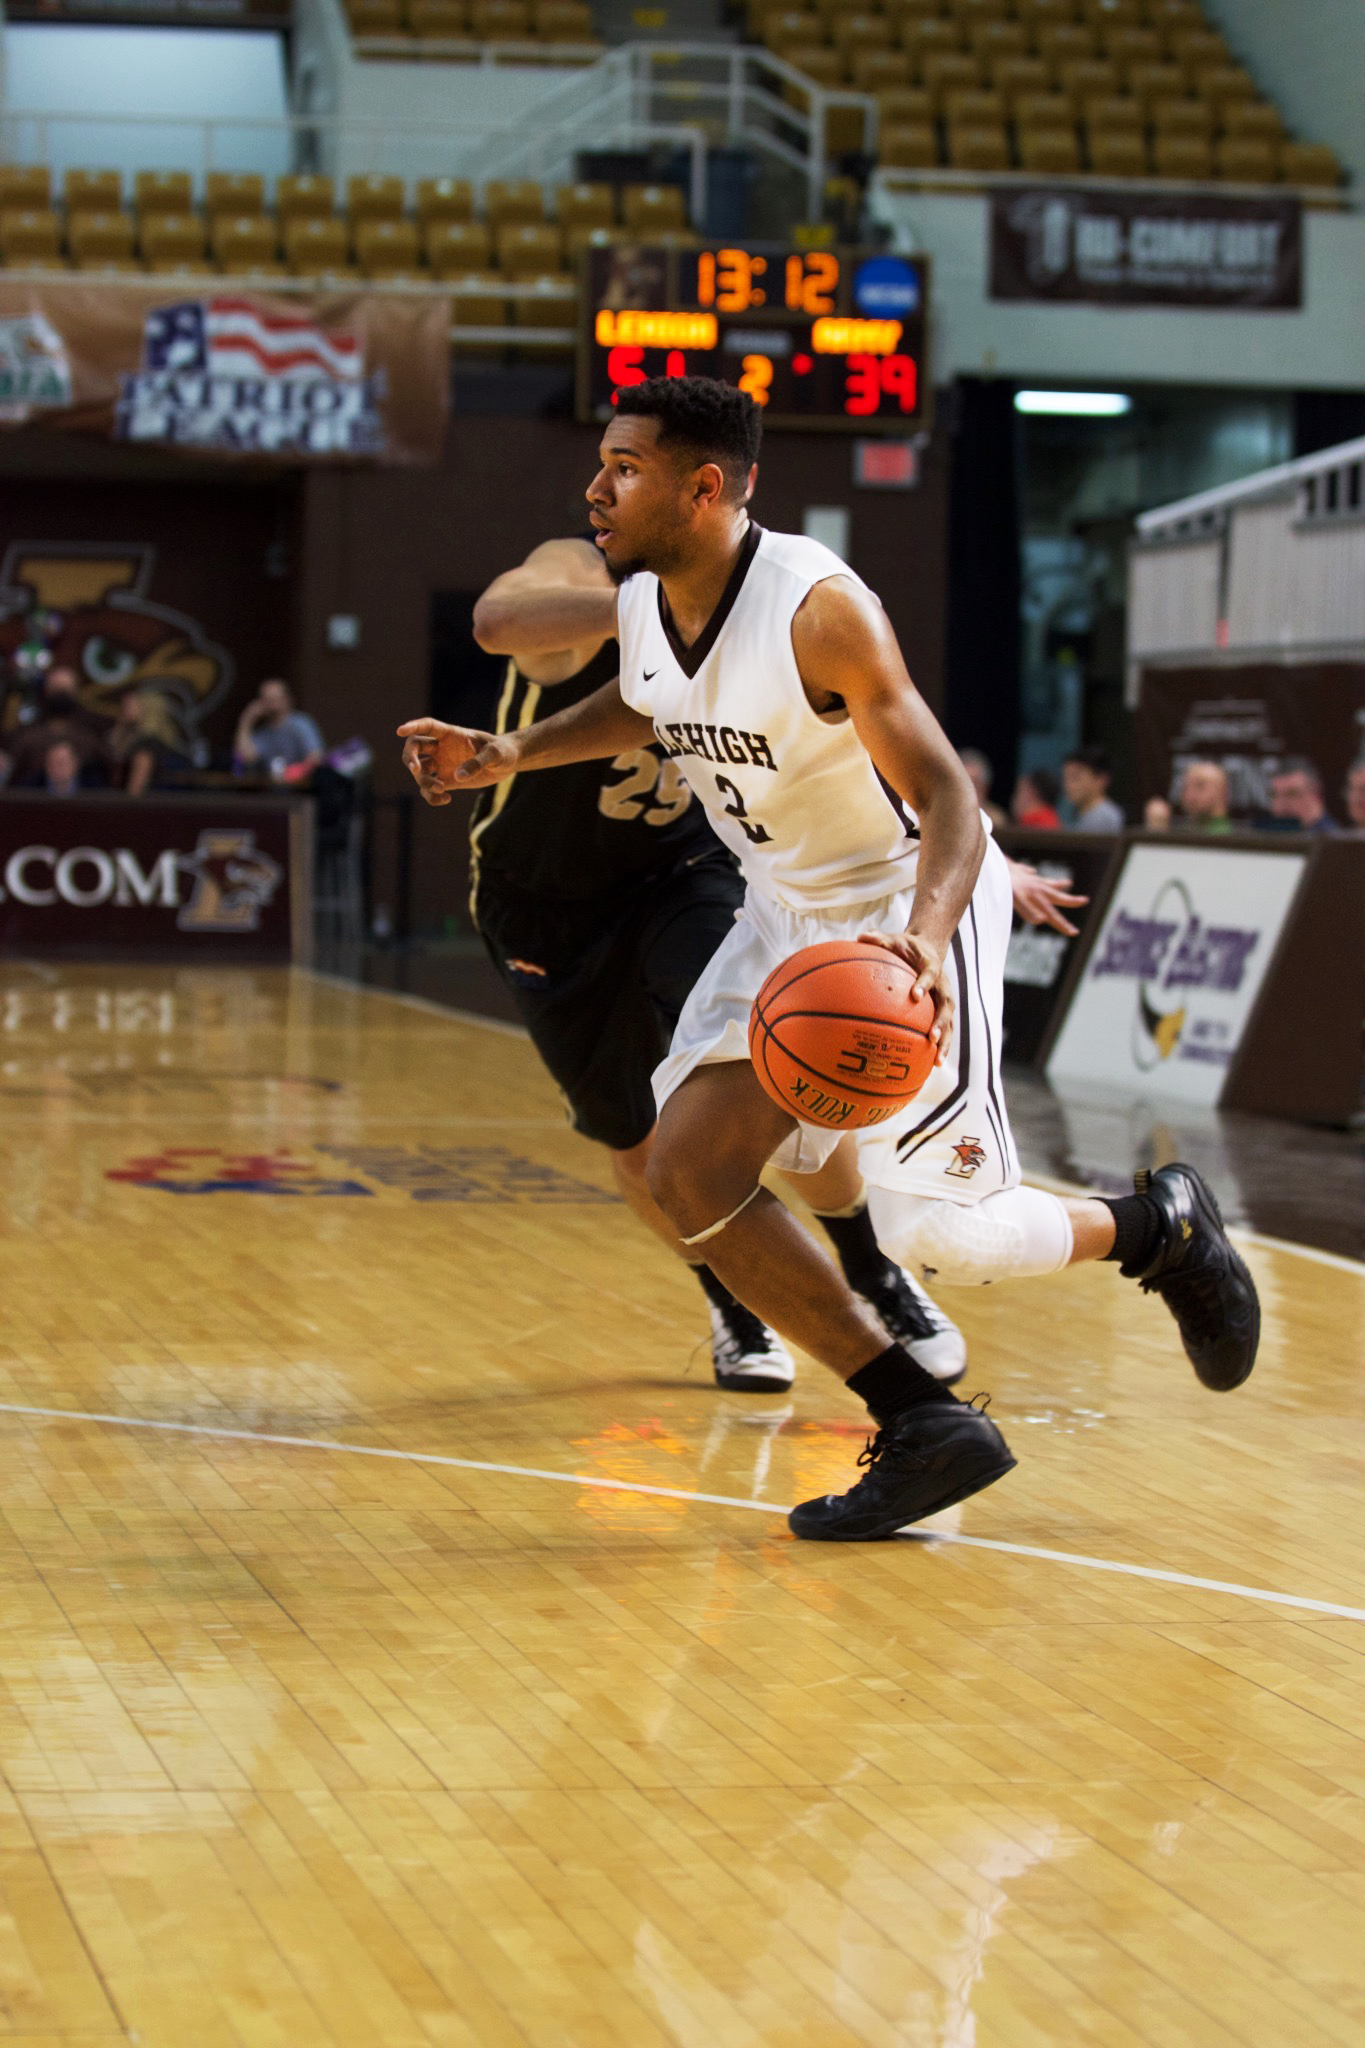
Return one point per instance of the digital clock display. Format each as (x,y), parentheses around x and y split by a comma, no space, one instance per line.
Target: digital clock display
(817,337)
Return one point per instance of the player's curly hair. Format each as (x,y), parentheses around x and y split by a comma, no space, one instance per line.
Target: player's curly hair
(715,422)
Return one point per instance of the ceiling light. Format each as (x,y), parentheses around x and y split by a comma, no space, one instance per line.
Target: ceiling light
(1080,405)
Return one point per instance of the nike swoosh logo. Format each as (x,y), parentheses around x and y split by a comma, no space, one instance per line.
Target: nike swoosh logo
(650,674)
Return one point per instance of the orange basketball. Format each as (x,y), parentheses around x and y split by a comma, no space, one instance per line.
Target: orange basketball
(836,1039)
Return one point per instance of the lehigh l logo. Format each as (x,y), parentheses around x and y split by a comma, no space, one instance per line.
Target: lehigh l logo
(233,882)
(968,1154)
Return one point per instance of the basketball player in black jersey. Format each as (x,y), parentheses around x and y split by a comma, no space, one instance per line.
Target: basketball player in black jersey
(601,893)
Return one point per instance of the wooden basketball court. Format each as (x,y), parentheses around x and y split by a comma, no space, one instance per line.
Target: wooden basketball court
(404,1644)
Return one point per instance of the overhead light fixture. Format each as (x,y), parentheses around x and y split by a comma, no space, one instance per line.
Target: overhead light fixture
(1075,405)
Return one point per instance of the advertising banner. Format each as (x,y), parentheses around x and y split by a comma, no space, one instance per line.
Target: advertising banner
(1172,978)
(322,376)
(1250,718)
(1114,246)
(153,875)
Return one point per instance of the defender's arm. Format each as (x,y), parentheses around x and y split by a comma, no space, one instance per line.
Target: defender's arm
(552,614)
(845,649)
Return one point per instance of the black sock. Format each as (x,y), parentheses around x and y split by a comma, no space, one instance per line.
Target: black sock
(716,1291)
(892,1382)
(862,1258)
(1137,1233)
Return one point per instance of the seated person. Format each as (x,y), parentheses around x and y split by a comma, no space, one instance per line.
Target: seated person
(1296,803)
(61,717)
(982,775)
(1204,798)
(1156,815)
(1086,776)
(1355,797)
(1034,803)
(61,769)
(274,739)
(137,746)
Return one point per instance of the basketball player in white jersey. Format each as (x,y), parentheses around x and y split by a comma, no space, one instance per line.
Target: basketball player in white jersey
(770,673)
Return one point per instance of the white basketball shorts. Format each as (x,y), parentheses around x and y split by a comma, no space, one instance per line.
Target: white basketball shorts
(953,1141)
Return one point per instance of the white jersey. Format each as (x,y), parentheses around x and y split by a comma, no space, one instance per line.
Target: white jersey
(793,794)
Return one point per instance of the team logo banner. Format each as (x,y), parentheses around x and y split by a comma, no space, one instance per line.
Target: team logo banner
(308,378)
(1173,977)
(1115,246)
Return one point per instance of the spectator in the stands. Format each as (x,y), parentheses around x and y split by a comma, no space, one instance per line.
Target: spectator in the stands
(1355,796)
(61,769)
(62,717)
(276,740)
(1086,776)
(1204,798)
(1296,803)
(1034,804)
(982,775)
(133,748)
(1156,815)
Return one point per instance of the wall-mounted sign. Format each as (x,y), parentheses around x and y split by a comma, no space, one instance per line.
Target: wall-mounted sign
(1173,976)
(1117,245)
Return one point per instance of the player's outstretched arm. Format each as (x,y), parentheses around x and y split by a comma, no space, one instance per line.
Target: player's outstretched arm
(845,650)
(552,614)
(443,758)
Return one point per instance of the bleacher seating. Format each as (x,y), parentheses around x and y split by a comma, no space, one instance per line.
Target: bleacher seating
(548,31)
(1056,88)
(514,266)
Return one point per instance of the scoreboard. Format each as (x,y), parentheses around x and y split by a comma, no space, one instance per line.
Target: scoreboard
(817,337)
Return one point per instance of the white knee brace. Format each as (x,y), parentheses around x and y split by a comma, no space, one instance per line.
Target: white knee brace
(1008,1236)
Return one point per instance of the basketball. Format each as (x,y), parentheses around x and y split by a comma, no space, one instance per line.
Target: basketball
(836,1037)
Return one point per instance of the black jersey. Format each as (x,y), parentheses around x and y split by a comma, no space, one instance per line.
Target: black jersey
(586,829)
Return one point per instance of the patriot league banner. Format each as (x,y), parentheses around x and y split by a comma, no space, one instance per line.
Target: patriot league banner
(310,377)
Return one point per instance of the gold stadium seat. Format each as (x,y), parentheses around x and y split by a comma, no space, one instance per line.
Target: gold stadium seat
(1309,163)
(438,21)
(172,241)
(902,105)
(550,300)
(585,206)
(97,240)
(974,107)
(444,199)
(1182,117)
(527,251)
(1149,83)
(1188,157)
(563,21)
(1037,15)
(903,11)
(923,37)
(1049,152)
(512,202)
(25,188)
(157,192)
(1117,152)
(1253,117)
(1066,42)
(373,196)
(245,243)
(237,193)
(31,236)
(458,248)
(581,237)
(1171,18)
(1114,114)
(1246,159)
(1198,49)
(909,146)
(1226,82)
(387,248)
(817,62)
(303,197)
(316,248)
(479,302)
(860,31)
(92,192)
(501,21)
(949,73)
(1044,110)
(973,147)
(996,40)
(646,208)
(1126,46)
(375,17)
(1088,78)
(1109,15)
(875,70)
(974,14)
(1015,75)
(792,28)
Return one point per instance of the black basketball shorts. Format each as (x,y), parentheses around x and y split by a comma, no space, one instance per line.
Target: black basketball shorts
(600,984)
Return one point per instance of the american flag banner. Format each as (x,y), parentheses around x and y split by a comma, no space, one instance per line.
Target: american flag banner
(356,374)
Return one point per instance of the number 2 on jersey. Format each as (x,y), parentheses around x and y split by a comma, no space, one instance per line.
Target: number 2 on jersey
(756,834)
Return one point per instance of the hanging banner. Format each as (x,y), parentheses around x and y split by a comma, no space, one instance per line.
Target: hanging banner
(1117,246)
(313,377)
(1172,978)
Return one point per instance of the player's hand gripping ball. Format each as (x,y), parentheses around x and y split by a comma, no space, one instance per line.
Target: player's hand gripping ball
(836,1039)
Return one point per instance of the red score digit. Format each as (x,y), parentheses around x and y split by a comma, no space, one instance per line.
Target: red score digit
(871,379)
(625,366)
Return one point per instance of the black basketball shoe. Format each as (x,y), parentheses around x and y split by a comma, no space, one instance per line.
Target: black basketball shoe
(912,1320)
(1198,1275)
(925,1460)
(746,1356)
